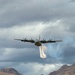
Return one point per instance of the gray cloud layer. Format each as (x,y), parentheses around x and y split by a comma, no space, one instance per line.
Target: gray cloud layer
(52,19)
(21,12)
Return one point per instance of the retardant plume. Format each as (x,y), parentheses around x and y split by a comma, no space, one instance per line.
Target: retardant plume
(42,51)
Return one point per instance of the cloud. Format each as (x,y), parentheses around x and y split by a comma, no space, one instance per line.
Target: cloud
(52,19)
(72,0)
(25,68)
(68,52)
(23,52)
(22,12)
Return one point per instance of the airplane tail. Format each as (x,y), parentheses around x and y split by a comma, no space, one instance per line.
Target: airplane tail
(39,37)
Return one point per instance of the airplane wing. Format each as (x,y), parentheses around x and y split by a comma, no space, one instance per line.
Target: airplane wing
(50,41)
(25,40)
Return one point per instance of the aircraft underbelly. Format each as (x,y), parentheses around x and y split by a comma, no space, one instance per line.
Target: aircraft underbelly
(38,44)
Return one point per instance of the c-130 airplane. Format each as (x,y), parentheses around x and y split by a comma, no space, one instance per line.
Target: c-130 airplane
(38,42)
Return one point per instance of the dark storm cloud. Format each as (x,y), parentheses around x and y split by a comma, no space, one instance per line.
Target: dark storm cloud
(69,22)
(69,55)
(19,54)
(22,12)
(72,0)
(25,55)
(68,51)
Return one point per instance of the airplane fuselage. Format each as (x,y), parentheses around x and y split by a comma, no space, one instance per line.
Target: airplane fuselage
(38,43)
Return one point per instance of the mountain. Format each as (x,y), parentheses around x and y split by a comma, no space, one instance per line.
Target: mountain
(9,71)
(65,70)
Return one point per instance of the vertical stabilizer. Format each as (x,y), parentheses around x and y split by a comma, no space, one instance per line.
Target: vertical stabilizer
(39,37)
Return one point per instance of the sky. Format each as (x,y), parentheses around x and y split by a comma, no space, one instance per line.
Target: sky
(51,19)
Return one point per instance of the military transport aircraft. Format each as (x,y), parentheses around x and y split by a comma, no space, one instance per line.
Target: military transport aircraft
(39,42)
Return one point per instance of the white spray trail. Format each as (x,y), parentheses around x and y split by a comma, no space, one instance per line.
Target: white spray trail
(42,51)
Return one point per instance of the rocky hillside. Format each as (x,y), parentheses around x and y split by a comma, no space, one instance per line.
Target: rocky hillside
(65,70)
(9,71)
